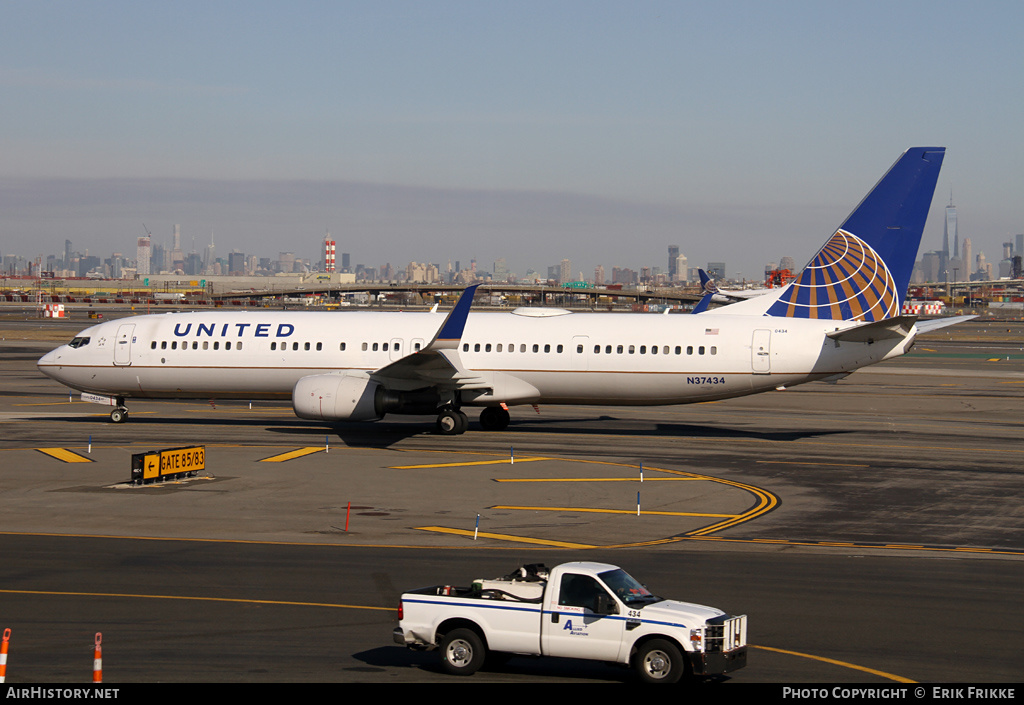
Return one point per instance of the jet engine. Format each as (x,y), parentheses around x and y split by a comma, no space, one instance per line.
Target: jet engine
(351,396)
(338,397)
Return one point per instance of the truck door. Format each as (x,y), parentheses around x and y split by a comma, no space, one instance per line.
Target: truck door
(123,344)
(572,626)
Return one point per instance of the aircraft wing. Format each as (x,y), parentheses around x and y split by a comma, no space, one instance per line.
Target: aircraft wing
(438,363)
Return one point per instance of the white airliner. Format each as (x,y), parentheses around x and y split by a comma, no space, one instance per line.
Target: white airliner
(841,314)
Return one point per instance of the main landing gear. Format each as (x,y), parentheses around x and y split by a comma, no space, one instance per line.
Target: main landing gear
(453,422)
(119,414)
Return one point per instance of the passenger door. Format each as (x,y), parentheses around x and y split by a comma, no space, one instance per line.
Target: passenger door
(123,344)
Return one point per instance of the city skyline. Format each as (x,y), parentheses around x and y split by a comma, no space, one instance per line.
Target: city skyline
(737,131)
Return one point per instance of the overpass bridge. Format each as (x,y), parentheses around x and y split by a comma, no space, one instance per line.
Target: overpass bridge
(518,294)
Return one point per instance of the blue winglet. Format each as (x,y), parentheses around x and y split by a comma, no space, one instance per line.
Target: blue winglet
(451,330)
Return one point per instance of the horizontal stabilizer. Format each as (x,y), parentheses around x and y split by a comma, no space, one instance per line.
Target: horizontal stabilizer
(885,329)
(937,323)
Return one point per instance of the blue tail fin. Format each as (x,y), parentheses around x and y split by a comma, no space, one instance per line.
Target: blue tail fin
(863,271)
(707,285)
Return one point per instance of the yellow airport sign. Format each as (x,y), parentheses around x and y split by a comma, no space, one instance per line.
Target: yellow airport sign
(165,464)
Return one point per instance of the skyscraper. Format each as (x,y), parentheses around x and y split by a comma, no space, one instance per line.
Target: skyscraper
(209,256)
(682,274)
(177,255)
(673,256)
(949,228)
(142,255)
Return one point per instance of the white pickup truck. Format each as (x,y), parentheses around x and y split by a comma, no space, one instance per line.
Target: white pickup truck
(577,610)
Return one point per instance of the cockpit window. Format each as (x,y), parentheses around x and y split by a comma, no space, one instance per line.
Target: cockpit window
(79,342)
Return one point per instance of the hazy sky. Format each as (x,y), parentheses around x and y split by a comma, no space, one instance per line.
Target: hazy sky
(597,131)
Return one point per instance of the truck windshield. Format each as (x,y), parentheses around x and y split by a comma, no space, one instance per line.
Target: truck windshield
(626,588)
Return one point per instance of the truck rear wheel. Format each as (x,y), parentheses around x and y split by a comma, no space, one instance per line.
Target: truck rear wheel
(659,661)
(462,652)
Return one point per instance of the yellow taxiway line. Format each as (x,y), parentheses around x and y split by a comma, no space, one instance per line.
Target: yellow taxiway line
(291,455)
(65,455)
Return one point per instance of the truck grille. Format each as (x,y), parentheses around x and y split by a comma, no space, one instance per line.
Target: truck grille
(725,633)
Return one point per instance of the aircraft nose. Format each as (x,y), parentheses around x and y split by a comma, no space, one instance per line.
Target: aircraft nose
(48,361)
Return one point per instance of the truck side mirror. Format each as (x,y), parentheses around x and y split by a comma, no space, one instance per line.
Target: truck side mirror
(604,604)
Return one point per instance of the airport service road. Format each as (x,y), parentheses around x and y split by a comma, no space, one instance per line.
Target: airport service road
(177,611)
(874,522)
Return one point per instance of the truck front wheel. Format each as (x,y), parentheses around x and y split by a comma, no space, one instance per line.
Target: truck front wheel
(462,652)
(659,661)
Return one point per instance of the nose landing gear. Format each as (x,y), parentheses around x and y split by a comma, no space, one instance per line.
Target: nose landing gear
(119,414)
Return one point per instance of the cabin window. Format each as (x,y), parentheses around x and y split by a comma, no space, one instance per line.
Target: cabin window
(152,345)
(319,346)
(216,345)
(295,346)
(522,347)
(632,349)
(238,345)
(306,346)
(487,348)
(415,347)
(206,345)
(465,347)
(618,349)
(560,348)
(679,350)
(476,347)
(547,348)
(689,350)
(376,346)
(714,350)
(163,344)
(536,348)
(227,345)
(608,349)
(384,346)
(174,345)
(273,346)
(398,346)
(700,350)
(643,349)
(364,347)
(654,350)
(195,344)
(342,347)
(498,348)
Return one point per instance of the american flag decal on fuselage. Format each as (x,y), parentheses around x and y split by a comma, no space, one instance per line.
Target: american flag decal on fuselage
(845,281)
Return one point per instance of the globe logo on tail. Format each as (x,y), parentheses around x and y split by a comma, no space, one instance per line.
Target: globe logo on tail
(845,281)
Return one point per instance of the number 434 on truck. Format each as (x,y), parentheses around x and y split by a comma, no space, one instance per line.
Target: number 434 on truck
(590,611)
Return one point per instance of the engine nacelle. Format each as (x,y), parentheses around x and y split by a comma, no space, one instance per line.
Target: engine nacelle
(337,397)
